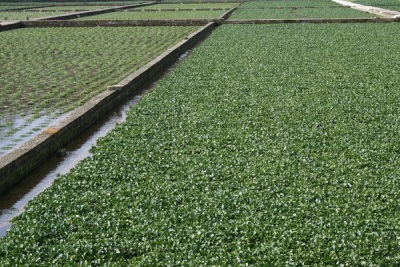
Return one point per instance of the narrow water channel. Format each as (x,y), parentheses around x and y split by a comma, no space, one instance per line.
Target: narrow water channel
(12,202)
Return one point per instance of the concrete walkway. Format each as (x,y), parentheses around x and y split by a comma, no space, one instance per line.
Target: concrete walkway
(370,9)
(8,22)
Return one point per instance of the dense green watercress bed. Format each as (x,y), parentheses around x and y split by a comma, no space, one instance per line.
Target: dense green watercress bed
(298,13)
(388,4)
(288,3)
(157,15)
(49,71)
(296,9)
(377,2)
(271,145)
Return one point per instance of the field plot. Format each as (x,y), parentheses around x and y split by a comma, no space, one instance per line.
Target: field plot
(295,10)
(190,6)
(387,4)
(271,145)
(22,5)
(298,13)
(157,15)
(288,3)
(7,7)
(64,3)
(27,15)
(46,12)
(70,8)
(48,71)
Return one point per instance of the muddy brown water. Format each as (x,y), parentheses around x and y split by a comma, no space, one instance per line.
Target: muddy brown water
(12,202)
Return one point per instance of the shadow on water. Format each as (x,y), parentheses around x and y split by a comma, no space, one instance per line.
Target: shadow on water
(12,202)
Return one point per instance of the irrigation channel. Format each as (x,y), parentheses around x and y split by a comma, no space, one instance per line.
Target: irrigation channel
(13,202)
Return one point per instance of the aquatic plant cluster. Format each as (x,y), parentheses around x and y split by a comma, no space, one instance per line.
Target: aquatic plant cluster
(271,145)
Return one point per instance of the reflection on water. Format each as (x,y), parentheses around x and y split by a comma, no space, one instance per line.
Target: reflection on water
(16,130)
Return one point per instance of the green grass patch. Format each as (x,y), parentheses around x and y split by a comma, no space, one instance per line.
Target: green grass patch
(271,145)
(157,15)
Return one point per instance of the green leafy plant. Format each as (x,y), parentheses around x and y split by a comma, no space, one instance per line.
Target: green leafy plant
(270,145)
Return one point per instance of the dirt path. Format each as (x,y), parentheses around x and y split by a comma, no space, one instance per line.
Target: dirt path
(375,10)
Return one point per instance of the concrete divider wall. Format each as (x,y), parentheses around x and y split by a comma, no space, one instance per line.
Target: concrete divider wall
(17,164)
(227,14)
(10,25)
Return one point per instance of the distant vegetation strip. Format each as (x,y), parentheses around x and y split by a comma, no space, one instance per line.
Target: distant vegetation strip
(157,15)
(28,15)
(190,6)
(72,8)
(270,145)
(7,7)
(387,4)
(288,3)
(377,2)
(298,13)
(65,3)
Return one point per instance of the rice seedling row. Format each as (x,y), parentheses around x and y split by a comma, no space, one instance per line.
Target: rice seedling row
(270,145)
(49,71)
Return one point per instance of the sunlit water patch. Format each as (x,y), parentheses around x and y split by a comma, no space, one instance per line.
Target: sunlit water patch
(16,130)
